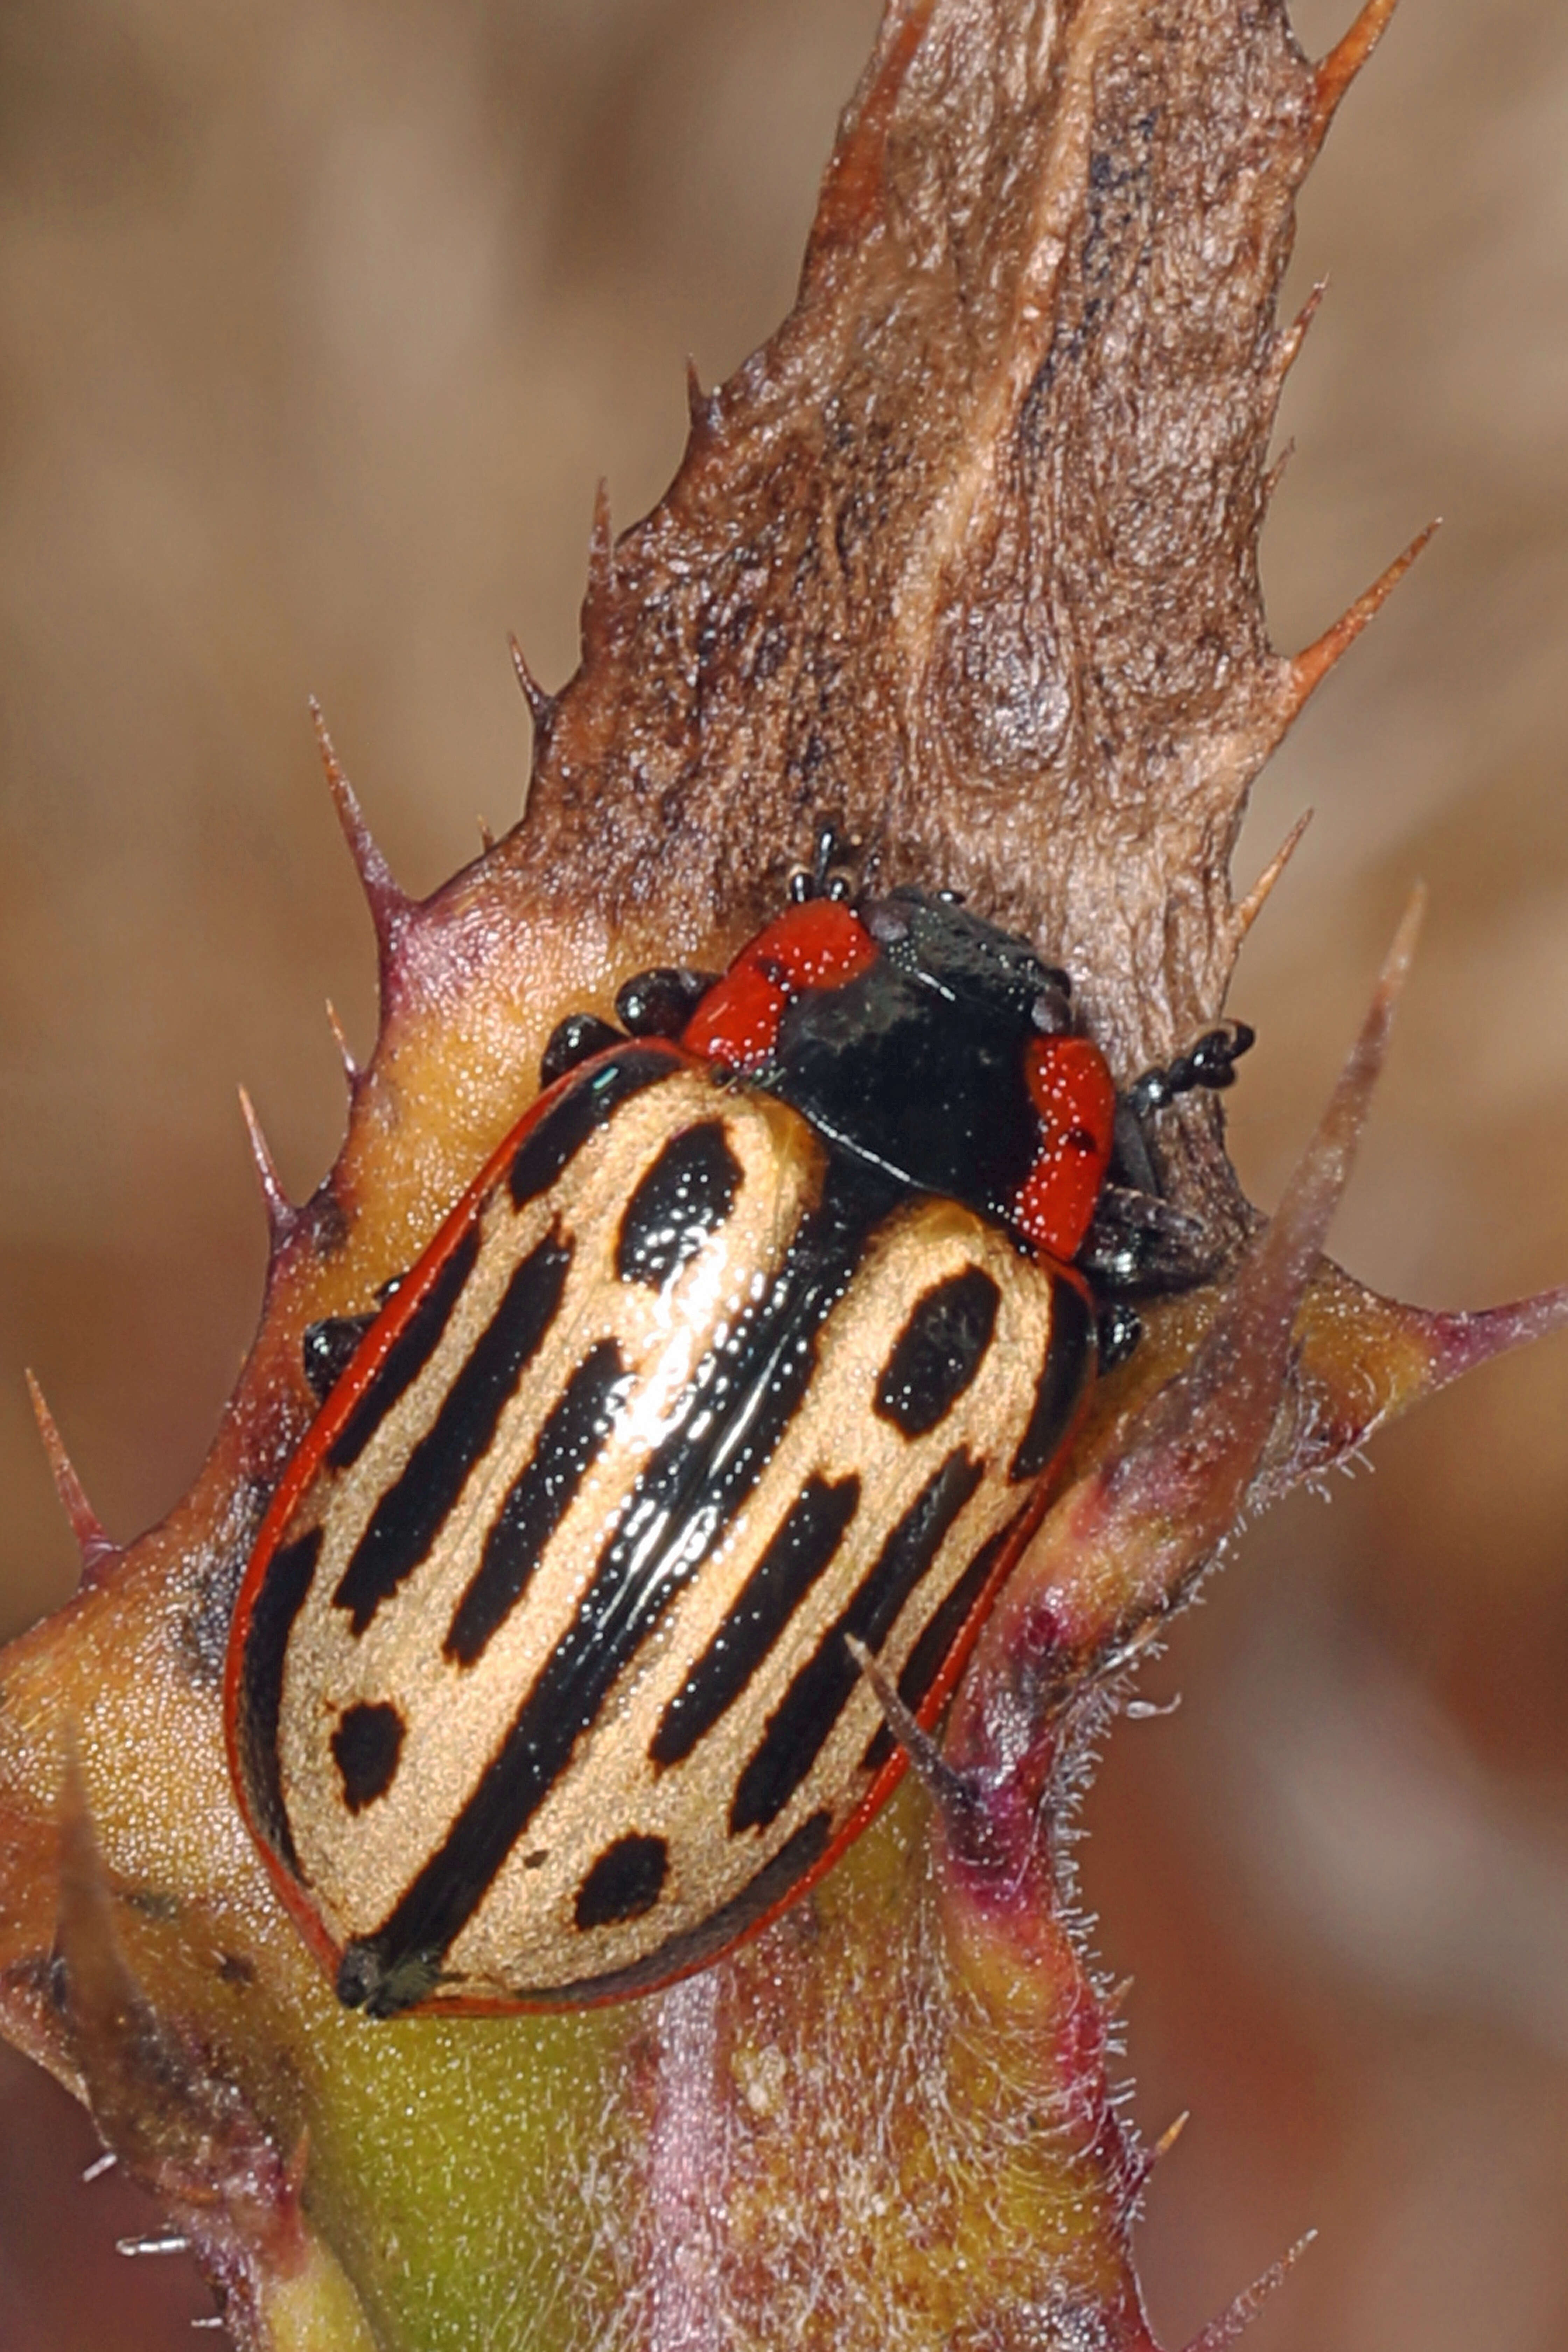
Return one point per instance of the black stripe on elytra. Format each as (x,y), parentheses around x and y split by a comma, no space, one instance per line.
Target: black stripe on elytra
(940,1631)
(740,1401)
(626,1880)
(366,1748)
(573,1438)
(548,1148)
(279,1598)
(800,1725)
(795,1556)
(686,1195)
(939,1351)
(408,1356)
(1070,1362)
(412,1511)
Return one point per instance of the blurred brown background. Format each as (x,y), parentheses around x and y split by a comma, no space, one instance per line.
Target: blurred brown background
(317,323)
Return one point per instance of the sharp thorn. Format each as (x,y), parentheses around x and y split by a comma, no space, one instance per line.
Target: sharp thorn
(702,408)
(949,1788)
(487,838)
(1277,472)
(351,1068)
(1288,350)
(99,2166)
(1313,1191)
(1307,671)
(390,906)
(1344,63)
(541,705)
(1117,1999)
(1143,2165)
(602,544)
(1459,1341)
(95,1545)
(599,600)
(1262,890)
(281,1210)
(171,2244)
(1240,2314)
(1188,1457)
(853,184)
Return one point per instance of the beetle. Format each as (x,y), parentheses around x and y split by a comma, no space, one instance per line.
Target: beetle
(748,1355)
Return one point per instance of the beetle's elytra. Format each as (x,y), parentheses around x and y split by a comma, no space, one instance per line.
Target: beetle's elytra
(759,1332)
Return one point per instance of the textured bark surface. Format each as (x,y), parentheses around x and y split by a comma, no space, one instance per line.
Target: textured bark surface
(964,561)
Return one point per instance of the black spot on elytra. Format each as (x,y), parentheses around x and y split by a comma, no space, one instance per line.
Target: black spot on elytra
(686,1195)
(626,1880)
(939,1351)
(366,1746)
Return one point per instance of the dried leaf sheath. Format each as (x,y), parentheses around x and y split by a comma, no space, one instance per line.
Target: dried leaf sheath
(966,560)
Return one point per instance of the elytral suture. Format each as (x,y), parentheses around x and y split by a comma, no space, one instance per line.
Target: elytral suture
(961,565)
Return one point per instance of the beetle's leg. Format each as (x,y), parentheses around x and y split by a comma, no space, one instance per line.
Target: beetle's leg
(577,1039)
(819,879)
(329,1347)
(1118,1329)
(659,1003)
(1137,1240)
(1209,1063)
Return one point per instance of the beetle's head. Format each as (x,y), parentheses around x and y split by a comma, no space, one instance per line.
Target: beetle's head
(939,943)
